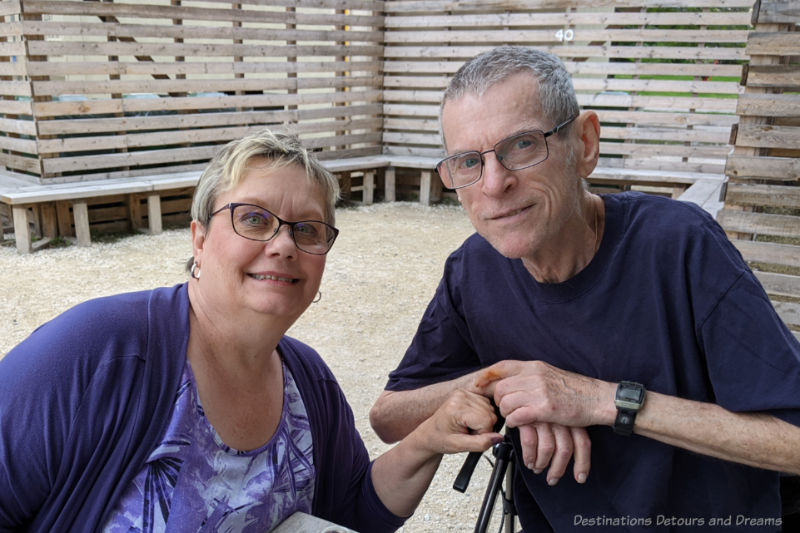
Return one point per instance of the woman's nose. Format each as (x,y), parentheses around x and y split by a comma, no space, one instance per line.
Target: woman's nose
(282,242)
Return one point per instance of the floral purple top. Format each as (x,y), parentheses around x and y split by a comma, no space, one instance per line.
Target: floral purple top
(194,482)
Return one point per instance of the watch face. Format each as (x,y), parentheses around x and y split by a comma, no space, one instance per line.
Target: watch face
(629,396)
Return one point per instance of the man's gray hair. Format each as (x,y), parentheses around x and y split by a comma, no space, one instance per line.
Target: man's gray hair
(556,93)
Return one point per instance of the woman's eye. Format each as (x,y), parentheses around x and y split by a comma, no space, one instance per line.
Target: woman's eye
(254,219)
(305,229)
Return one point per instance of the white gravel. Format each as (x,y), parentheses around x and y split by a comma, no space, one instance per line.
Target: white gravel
(380,275)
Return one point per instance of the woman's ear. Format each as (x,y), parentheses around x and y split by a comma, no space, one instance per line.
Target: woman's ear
(588,129)
(198,240)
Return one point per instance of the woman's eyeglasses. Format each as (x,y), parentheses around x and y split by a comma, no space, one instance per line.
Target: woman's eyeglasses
(258,224)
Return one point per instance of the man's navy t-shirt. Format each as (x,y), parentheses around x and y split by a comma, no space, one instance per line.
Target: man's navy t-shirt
(668,302)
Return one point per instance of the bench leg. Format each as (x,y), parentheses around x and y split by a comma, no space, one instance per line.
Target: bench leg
(49,221)
(154,214)
(80,214)
(389,193)
(368,192)
(22,233)
(425,187)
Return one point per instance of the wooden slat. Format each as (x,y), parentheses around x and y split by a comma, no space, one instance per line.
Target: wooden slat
(774,75)
(768,105)
(169,33)
(549,35)
(768,252)
(768,43)
(761,167)
(760,223)
(54,88)
(789,312)
(204,68)
(780,12)
(599,17)
(763,195)
(768,136)
(118,48)
(434,6)
(783,285)
(145,11)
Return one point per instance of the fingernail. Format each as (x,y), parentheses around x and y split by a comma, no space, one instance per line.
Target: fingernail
(536,470)
(552,481)
(498,440)
(581,478)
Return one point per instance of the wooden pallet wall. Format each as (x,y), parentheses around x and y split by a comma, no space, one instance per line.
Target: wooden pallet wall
(662,75)
(104,89)
(762,201)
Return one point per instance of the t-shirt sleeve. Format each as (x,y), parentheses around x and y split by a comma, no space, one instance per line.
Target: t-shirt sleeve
(442,348)
(753,360)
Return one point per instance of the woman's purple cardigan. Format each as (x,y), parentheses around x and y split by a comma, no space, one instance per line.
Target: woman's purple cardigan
(85,399)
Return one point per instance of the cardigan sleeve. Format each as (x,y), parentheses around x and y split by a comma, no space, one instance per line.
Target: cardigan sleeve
(344,493)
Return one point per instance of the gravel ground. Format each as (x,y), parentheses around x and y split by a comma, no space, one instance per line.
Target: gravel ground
(379,278)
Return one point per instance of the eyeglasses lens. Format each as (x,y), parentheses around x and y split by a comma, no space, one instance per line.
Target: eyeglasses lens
(514,153)
(523,150)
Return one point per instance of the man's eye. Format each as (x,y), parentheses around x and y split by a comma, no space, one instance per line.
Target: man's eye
(470,162)
(523,143)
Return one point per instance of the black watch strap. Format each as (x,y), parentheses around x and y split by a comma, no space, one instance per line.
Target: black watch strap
(623,424)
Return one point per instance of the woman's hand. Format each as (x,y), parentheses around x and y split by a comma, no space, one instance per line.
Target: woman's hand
(463,423)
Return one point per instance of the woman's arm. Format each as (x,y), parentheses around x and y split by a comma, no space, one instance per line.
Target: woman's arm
(463,423)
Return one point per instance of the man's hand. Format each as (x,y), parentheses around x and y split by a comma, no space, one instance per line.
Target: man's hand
(551,408)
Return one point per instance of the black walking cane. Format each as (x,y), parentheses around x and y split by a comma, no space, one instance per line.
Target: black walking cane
(504,457)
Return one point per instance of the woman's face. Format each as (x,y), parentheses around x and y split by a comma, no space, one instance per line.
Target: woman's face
(242,278)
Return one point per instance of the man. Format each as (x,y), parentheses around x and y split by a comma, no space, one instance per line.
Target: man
(626,322)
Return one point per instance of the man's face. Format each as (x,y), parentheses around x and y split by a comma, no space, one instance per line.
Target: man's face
(519,212)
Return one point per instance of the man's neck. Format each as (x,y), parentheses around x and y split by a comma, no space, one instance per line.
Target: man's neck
(568,253)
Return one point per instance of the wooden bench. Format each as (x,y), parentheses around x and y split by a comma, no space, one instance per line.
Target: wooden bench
(53,209)
(52,205)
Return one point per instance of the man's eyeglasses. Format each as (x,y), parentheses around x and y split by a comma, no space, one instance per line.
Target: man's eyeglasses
(258,224)
(519,151)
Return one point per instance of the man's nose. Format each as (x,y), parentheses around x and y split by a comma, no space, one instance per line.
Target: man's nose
(496,178)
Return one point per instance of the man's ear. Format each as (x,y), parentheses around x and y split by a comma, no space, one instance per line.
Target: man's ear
(588,129)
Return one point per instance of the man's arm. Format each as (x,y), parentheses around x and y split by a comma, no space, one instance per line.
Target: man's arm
(534,391)
(397,413)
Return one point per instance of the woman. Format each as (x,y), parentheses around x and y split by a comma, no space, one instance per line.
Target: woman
(187,408)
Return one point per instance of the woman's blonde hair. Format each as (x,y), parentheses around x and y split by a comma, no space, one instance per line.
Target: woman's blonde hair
(226,169)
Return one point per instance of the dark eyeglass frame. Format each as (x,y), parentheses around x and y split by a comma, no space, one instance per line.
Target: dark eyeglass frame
(233,205)
(444,175)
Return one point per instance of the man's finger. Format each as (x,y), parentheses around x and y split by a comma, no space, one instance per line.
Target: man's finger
(582,453)
(496,372)
(529,440)
(561,455)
